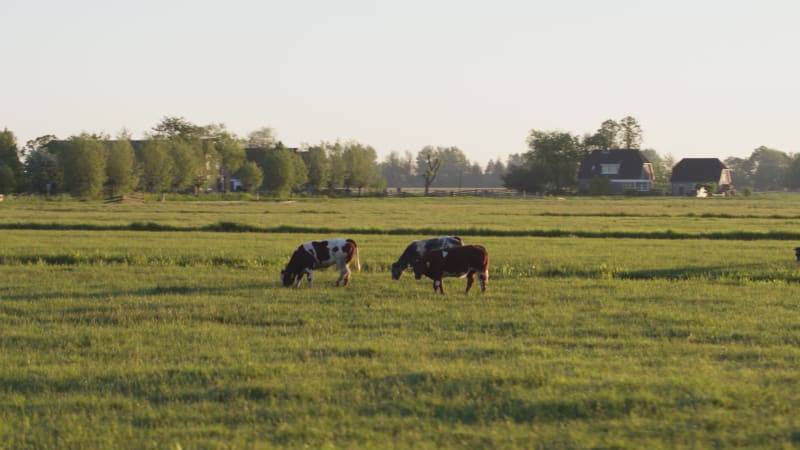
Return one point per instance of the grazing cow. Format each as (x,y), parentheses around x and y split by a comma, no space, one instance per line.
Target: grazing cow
(318,255)
(419,249)
(454,262)
(797,253)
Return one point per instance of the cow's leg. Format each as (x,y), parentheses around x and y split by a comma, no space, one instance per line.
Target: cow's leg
(309,276)
(344,276)
(484,277)
(470,280)
(438,285)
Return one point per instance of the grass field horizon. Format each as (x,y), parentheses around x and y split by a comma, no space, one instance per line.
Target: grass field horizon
(174,335)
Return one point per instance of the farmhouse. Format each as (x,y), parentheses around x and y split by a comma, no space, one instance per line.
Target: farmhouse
(690,173)
(618,170)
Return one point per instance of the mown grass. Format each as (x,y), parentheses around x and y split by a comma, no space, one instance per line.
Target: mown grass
(680,217)
(159,339)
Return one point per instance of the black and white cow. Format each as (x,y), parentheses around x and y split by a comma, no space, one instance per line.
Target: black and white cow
(318,255)
(454,262)
(418,249)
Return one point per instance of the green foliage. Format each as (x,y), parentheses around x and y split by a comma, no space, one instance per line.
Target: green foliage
(251,175)
(600,186)
(187,165)
(361,163)
(178,128)
(12,178)
(157,165)
(318,168)
(121,176)
(772,168)
(8,182)
(557,156)
(397,169)
(85,168)
(279,171)
(428,164)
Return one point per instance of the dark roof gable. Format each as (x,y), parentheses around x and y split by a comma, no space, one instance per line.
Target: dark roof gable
(630,163)
(697,169)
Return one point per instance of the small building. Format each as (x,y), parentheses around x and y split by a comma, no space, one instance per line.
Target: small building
(620,170)
(692,173)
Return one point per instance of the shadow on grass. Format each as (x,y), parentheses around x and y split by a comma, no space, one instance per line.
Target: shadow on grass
(478,400)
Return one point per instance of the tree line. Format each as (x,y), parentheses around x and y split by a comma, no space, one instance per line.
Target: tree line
(552,161)
(178,156)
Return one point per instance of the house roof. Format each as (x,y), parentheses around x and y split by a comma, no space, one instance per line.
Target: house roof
(630,163)
(697,170)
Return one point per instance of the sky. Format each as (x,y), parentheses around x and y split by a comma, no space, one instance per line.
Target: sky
(704,78)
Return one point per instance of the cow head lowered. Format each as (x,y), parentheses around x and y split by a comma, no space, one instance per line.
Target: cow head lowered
(454,262)
(419,249)
(318,255)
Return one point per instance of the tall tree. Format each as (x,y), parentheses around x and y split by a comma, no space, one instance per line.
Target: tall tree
(121,166)
(231,156)
(178,127)
(606,137)
(338,167)
(14,178)
(556,155)
(263,137)
(318,167)
(43,169)
(771,168)
(397,169)
(428,164)
(361,163)
(630,133)
(454,166)
(279,171)
(157,171)
(524,174)
(186,163)
(743,171)
(251,175)
(793,172)
(85,168)
(300,172)
(494,173)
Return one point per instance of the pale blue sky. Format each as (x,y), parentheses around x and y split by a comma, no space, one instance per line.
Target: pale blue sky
(704,78)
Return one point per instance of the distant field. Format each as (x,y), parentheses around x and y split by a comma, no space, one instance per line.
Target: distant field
(166,335)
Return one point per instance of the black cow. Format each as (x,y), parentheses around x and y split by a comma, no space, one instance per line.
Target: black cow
(320,254)
(454,262)
(419,249)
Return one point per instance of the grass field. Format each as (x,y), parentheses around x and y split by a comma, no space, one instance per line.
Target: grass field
(166,334)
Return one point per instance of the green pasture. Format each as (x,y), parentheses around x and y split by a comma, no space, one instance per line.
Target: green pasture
(760,214)
(117,338)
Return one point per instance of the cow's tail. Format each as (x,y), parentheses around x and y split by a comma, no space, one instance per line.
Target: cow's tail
(358,263)
(355,255)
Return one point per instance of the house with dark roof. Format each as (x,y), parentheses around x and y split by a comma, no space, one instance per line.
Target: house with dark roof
(620,170)
(692,173)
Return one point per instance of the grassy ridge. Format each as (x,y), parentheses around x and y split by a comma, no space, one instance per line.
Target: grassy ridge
(231,227)
(685,217)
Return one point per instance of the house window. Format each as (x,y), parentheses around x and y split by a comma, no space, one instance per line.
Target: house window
(609,169)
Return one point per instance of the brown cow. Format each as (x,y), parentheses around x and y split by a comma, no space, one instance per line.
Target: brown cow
(454,262)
